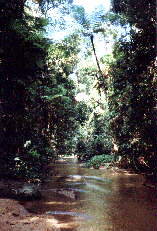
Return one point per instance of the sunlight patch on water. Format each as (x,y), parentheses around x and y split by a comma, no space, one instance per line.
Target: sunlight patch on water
(74,214)
(59,190)
(59,203)
(76,177)
(76,183)
(98,178)
(97,188)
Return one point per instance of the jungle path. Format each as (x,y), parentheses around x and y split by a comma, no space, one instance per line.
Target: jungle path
(84,199)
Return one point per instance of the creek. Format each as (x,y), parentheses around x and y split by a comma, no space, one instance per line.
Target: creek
(84,199)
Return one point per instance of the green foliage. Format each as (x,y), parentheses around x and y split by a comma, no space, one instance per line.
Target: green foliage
(132,98)
(37,94)
(141,13)
(99,160)
(101,142)
(130,87)
(82,112)
(114,19)
(93,137)
(80,16)
(30,28)
(63,5)
(33,153)
(39,98)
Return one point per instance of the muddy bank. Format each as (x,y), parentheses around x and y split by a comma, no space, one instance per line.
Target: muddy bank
(13,217)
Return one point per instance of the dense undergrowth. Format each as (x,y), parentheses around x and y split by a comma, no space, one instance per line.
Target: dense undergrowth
(99,160)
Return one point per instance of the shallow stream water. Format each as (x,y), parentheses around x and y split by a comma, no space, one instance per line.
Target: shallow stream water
(83,199)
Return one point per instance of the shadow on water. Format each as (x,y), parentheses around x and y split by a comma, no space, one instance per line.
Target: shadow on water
(96,200)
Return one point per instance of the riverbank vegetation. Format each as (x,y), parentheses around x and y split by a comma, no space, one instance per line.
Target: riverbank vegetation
(54,100)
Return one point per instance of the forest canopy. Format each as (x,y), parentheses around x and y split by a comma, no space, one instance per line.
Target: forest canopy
(42,115)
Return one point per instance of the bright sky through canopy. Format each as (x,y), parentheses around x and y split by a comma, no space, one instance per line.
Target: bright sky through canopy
(90,5)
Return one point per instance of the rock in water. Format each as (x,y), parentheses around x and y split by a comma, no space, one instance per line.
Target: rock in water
(28,192)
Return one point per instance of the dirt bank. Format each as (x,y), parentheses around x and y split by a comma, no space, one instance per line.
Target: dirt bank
(13,217)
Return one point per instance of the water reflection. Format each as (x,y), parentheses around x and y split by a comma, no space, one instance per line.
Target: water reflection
(94,187)
(98,178)
(74,214)
(114,202)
